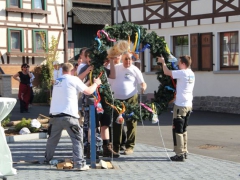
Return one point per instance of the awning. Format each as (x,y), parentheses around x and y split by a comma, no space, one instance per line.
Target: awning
(92,16)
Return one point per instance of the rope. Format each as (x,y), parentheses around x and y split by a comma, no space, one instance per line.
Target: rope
(160,132)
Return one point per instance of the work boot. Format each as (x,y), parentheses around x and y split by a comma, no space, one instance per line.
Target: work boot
(89,152)
(178,158)
(108,151)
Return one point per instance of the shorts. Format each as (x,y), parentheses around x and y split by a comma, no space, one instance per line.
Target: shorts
(104,119)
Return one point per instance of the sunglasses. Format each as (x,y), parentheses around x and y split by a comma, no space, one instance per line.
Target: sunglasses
(25,67)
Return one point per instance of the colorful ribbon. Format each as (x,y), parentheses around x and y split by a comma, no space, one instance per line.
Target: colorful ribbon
(129,42)
(128,115)
(135,43)
(167,49)
(120,119)
(145,47)
(138,43)
(107,36)
(90,76)
(146,107)
(173,82)
(155,116)
(97,104)
(169,88)
(99,42)
(119,110)
(175,67)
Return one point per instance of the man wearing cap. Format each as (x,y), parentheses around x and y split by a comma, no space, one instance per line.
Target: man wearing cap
(57,71)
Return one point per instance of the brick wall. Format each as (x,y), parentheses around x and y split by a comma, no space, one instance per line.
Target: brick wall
(13,69)
(213,103)
(217,104)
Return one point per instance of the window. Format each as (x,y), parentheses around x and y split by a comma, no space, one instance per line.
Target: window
(15,40)
(39,4)
(40,39)
(229,50)
(14,3)
(180,45)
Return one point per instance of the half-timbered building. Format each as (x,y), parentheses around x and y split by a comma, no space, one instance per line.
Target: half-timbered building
(21,23)
(208,30)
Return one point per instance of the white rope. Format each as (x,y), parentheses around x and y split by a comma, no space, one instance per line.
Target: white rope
(159,129)
(160,132)
(140,109)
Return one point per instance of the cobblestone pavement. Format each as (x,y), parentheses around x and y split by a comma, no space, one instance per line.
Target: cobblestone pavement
(147,162)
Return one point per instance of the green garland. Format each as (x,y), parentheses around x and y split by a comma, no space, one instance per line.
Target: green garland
(157,47)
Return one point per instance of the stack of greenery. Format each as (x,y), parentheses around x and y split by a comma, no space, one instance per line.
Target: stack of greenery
(123,31)
(16,129)
(26,123)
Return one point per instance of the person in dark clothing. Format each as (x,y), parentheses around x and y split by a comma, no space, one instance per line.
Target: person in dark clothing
(24,92)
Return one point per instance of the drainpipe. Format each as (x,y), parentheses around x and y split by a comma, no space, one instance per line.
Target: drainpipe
(116,11)
(65,32)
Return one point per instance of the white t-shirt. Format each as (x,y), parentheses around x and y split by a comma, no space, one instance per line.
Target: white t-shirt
(65,95)
(80,67)
(31,80)
(57,73)
(127,79)
(185,84)
(109,79)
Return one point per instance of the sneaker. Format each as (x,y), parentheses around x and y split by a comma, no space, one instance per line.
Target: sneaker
(185,155)
(128,151)
(177,158)
(84,168)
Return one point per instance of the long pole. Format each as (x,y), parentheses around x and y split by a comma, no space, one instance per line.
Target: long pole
(116,11)
(65,32)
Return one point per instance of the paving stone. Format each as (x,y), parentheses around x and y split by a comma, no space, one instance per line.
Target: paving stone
(147,162)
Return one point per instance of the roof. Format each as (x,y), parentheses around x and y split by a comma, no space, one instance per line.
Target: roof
(100,2)
(92,15)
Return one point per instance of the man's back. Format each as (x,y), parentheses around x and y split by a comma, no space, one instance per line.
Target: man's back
(65,95)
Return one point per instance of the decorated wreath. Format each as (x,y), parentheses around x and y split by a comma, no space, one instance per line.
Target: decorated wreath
(137,35)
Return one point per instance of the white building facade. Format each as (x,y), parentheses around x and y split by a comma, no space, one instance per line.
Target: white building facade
(207,30)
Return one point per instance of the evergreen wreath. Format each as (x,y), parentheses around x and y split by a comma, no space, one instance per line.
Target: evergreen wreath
(98,55)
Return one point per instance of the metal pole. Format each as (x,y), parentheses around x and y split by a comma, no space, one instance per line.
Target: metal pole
(65,32)
(116,11)
(93,135)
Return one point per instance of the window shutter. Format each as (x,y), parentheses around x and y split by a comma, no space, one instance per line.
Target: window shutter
(194,39)
(207,51)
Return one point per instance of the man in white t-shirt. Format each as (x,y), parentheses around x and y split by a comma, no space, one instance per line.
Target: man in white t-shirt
(183,104)
(116,61)
(125,88)
(64,115)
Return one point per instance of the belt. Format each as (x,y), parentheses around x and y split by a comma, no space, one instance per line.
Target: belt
(62,115)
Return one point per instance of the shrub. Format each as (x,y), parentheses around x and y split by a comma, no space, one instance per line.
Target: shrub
(41,96)
(26,123)
(6,120)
